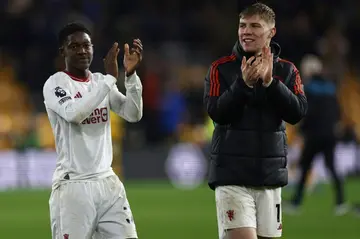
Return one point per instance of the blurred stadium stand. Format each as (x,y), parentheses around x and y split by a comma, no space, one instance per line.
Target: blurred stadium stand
(180,43)
(181,38)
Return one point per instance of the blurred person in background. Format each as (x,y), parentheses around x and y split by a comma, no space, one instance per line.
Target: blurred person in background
(320,129)
(87,197)
(172,110)
(333,48)
(250,95)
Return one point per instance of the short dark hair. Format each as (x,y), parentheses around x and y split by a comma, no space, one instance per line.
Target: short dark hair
(264,11)
(69,29)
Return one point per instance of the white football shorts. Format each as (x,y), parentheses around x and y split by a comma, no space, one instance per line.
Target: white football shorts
(258,208)
(95,209)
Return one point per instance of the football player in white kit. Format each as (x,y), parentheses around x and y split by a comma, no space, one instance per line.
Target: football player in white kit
(88,200)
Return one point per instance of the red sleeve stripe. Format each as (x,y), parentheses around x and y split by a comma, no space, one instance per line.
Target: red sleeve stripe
(298,86)
(214,74)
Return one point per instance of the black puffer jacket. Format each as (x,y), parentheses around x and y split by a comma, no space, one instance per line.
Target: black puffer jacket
(249,142)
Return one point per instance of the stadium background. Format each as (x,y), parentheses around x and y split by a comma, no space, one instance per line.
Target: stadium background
(162,159)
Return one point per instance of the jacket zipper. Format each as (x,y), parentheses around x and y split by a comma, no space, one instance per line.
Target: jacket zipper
(259,122)
(259,131)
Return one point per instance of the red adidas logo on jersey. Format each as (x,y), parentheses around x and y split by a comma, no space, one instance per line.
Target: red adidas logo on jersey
(78,95)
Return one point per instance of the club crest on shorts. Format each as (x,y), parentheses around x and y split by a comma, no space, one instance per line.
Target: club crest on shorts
(66,236)
(230,214)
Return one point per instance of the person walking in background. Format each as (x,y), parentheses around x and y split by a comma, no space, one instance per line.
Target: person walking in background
(320,131)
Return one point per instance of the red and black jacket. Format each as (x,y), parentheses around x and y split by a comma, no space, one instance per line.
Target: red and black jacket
(249,145)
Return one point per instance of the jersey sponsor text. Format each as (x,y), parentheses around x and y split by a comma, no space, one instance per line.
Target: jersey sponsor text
(99,115)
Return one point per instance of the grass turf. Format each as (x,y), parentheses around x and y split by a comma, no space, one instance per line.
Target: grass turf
(163,212)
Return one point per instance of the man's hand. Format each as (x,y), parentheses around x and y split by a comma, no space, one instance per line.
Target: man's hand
(251,70)
(266,66)
(110,61)
(133,57)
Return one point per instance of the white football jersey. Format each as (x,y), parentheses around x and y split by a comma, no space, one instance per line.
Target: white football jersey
(79,114)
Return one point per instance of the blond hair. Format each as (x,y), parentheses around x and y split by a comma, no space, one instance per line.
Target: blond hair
(265,12)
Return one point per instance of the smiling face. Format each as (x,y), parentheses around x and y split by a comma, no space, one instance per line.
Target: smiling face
(255,33)
(256,27)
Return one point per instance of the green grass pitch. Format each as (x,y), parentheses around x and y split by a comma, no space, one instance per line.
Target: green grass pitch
(163,212)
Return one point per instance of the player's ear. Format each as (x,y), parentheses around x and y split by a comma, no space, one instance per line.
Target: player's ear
(272,32)
(61,51)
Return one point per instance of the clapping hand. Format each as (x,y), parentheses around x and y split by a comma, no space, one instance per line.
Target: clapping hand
(132,57)
(251,70)
(266,68)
